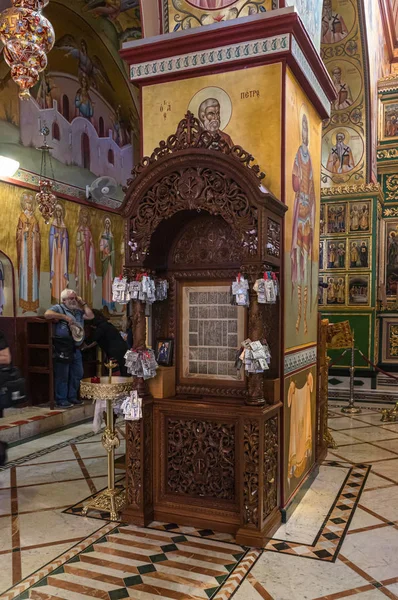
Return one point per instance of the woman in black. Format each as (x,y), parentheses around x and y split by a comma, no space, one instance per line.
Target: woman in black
(5,361)
(109,340)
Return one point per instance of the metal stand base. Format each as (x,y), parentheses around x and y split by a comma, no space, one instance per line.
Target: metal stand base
(351,410)
(109,501)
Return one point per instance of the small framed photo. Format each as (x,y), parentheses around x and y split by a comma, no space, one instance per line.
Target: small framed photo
(164,351)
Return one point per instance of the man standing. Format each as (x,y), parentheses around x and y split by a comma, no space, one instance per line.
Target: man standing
(302,249)
(210,117)
(68,365)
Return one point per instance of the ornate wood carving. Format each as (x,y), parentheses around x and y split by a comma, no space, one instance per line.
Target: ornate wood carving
(206,241)
(270,466)
(251,459)
(133,464)
(199,188)
(211,391)
(148,454)
(201,458)
(273,238)
(190,134)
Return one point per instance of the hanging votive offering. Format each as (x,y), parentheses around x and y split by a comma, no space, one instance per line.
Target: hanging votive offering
(141,363)
(120,290)
(267,288)
(255,356)
(132,407)
(240,291)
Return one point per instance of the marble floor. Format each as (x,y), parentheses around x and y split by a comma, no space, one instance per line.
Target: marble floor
(341,542)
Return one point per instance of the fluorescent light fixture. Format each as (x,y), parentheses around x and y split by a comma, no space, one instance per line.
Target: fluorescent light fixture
(8,166)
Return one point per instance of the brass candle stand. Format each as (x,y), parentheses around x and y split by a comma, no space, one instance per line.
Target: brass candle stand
(110,389)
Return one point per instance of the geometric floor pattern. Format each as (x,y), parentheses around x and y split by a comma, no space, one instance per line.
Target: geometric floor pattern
(130,562)
(347,523)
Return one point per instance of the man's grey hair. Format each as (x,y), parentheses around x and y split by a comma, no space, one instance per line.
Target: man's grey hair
(66,293)
(205,104)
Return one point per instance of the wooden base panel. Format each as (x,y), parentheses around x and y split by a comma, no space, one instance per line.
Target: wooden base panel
(248,536)
(225,524)
(133,516)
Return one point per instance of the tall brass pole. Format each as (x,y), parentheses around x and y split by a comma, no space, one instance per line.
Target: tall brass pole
(351,409)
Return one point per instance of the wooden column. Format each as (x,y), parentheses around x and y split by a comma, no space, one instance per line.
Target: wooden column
(139,440)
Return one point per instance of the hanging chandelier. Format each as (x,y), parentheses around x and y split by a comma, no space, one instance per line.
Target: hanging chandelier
(27,37)
(45,197)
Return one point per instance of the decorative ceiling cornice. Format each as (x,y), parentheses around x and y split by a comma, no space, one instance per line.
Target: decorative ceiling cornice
(352,190)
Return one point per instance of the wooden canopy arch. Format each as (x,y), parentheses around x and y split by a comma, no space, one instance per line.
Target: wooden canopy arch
(195,170)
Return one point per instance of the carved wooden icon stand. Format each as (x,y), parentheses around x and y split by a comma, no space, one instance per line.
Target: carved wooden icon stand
(196,213)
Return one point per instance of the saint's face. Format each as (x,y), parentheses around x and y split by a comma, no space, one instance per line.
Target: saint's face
(107,226)
(340,138)
(29,206)
(211,120)
(58,213)
(337,76)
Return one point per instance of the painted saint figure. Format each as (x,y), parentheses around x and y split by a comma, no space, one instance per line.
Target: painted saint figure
(333,27)
(107,252)
(363,254)
(302,248)
(85,274)
(364,220)
(344,96)
(340,158)
(29,254)
(341,255)
(210,117)
(354,218)
(83,102)
(332,256)
(59,254)
(300,443)
(354,255)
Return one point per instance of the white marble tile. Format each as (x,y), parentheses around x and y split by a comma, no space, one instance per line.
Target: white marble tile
(5,571)
(294,578)
(52,495)
(32,560)
(383,502)
(346,423)
(310,514)
(374,481)
(5,504)
(388,468)
(390,426)
(391,445)
(374,552)
(59,455)
(370,595)
(247,592)
(55,526)
(393,588)
(5,535)
(359,453)
(373,434)
(363,519)
(374,418)
(343,438)
(48,473)
(5,479)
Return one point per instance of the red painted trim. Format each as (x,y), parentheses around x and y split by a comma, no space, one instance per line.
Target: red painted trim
(35,188)
(242,30)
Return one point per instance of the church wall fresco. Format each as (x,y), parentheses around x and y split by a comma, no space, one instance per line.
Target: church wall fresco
(310,12)
(301,280)
(302,184)
(82,247)
(344,143)
(84,97)
(300,427)
(179,15)
(241,98)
